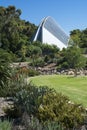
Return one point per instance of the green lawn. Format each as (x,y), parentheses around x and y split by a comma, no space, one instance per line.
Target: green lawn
(74,87)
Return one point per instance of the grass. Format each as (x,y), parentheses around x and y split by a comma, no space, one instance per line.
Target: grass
(73,87)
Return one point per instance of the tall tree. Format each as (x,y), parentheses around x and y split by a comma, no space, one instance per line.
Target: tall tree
(13,30)
(75,36)
(79,37)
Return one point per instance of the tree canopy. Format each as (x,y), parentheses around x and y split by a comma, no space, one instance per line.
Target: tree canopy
(79,37)
(14,32)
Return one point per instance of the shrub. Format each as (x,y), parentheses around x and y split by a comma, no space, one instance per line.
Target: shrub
(32,123)
(33,72)
(39,62)
(65,65)
(28,98)
(16,82)
(56,107)
(48,105)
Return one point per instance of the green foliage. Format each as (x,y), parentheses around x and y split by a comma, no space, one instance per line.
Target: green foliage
(5,125)
(83,43)
(64,65)
(34,52)
(79,37)
(27,99)
(33,72)
(74,58)
(32,123)
(16,82)
(39,62)
(5,70)
(23,53)
(75,36)
(56,107)
(53,126)
(12,81)
(71,57)
(14,32)
(48,105)
(49,49)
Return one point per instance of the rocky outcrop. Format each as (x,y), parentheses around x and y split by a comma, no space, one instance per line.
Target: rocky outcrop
(53,70)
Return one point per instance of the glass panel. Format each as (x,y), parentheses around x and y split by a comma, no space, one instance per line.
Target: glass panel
(53,28)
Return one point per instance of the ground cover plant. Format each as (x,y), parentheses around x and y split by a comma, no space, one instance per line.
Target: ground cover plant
(74,87)
(5,125)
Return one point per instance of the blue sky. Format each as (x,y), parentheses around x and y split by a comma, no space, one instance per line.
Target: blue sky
(69,14)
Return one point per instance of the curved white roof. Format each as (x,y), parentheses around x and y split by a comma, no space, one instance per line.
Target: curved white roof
(50,32)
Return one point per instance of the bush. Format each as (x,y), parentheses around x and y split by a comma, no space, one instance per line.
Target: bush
(28,98)
(16,82)
(64,65)
(56,107)
(33,72)
(39,62)
(48,105)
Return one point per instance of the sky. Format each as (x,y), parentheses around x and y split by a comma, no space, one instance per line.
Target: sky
(69,14)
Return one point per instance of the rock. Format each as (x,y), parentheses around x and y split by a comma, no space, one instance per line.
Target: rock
(70,72)
(5,103)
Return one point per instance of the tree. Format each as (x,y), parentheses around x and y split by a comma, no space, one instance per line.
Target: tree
(9,27)
(74,58)
(83,43)
(79,37)
(75,36)
(34,52)
(14,32)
